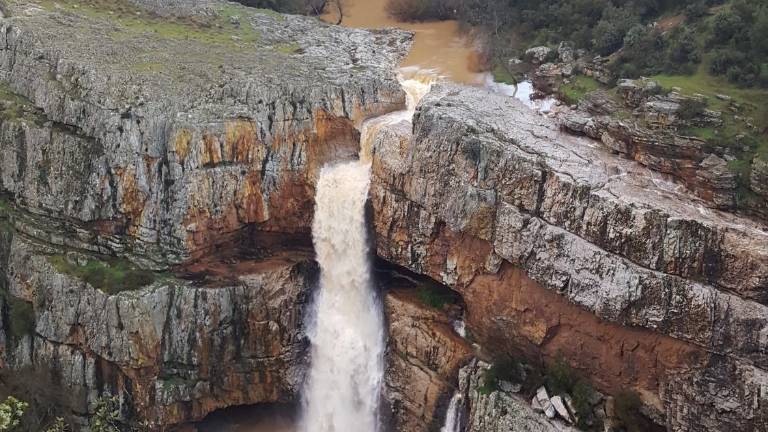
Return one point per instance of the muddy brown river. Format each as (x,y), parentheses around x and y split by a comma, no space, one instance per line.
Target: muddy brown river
(438,45)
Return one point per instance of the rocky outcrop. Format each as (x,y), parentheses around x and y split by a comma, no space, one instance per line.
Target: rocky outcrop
(651,126)
(167,136)
(168,133)
(499,410)
(482,186)
(684,158)
(759,185)
(173,351)
(424,355)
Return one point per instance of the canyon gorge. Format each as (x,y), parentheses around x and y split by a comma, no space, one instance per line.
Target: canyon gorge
(213,211)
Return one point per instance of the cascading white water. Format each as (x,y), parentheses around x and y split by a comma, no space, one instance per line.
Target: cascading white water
(453,415)
(346,329)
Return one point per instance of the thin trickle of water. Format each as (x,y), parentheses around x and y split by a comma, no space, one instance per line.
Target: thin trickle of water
(347,330)
(460,328)
(453,415)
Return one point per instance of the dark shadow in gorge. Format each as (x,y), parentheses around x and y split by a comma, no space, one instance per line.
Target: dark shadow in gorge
(266,417)
(251,251)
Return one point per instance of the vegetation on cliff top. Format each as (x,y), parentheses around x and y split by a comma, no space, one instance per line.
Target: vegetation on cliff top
(229,26)
(577,88)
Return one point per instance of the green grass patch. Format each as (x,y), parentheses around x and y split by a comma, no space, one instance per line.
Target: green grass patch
(435,297)
(16,107)
(229,26)
(577,88)
(21,317)
(111,275)
(746,106)
(502,75)
(148,67)
(751,100)
(702,133)
(288,49)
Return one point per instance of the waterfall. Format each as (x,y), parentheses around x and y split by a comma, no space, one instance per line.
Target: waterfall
(346,326)
(347,330)
(453,415)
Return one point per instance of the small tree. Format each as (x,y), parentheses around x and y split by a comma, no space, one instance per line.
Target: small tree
(11,411)
(58,426)
(106,415)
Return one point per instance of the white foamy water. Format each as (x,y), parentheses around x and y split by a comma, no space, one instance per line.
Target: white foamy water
(346,327)
(453,415)
(460,328)
(416,83)
(522,92)
(346,330)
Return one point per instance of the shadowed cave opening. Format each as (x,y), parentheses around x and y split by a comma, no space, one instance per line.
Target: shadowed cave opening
(265,417)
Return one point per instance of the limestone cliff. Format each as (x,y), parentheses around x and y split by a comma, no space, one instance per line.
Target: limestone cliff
(138,137)
(559,247)
(157,170)
(163,136)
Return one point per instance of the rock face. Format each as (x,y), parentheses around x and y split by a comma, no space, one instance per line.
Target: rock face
(173,351)
(162,132)
(423,359)
(167,136)
(652,127)
(499,411)
(483,187)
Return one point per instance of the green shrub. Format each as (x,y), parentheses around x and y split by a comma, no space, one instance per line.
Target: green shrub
(510,370)
(109,275)
(691,108)
(11,411)
(562,378)
(435,297)
(628,411)
(106,416)
(725,25)
(58,426)
(21,317)
(696,11)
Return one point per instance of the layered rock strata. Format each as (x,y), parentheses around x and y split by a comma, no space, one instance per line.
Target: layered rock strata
(579,246)
(645,123)
(173,351)
(165,136)
(168,135)
(424,355)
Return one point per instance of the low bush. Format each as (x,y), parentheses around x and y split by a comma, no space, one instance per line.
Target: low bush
(628,411)
(561,378)
(21,317)
(509,370)
(420,10)
(435,297)
(111,275)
